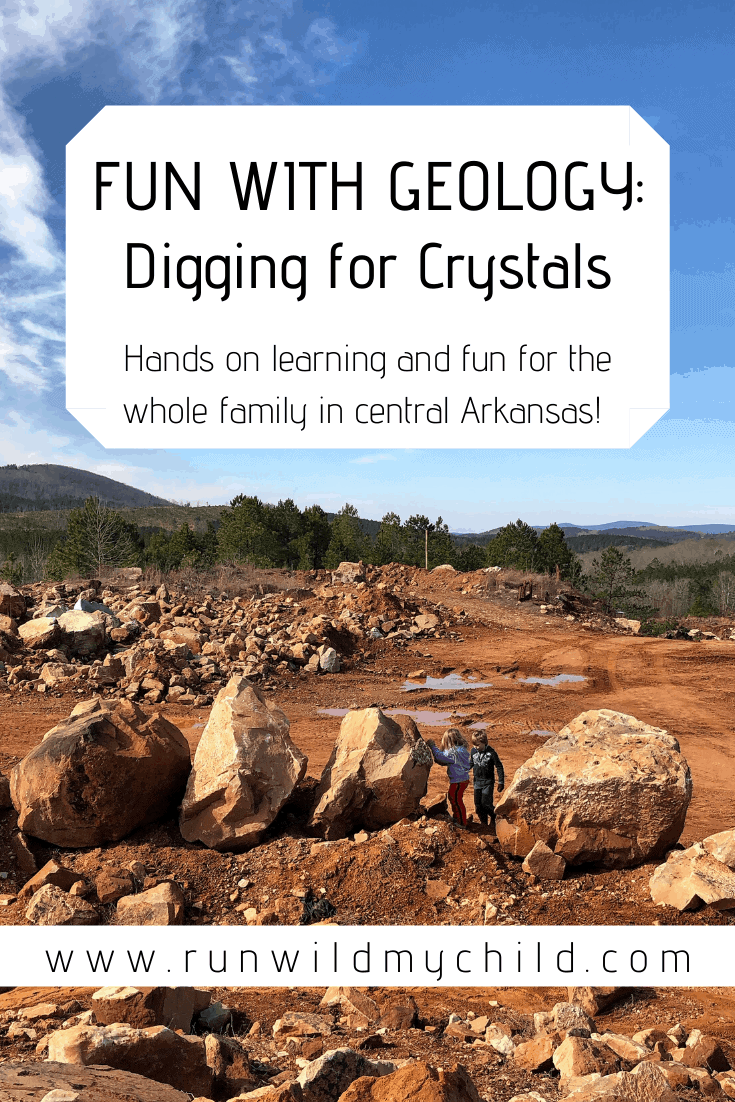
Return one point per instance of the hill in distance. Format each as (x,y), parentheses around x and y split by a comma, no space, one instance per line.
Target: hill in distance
(707,529)
(42,486)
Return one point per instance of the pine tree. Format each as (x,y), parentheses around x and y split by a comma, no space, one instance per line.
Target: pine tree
(515,545)
(244,534)
(552,551)
(348,542)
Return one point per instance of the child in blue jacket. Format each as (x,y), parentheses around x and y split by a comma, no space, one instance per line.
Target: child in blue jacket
(455,755)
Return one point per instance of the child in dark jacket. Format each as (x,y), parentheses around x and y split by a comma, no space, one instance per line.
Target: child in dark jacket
(455,755)
(485,761)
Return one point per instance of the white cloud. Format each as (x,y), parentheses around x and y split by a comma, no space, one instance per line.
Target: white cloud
(149,51)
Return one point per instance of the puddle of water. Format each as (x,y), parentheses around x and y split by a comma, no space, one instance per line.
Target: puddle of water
(429,719)
(451,681)
(543,734)
(195,725)
(556,680)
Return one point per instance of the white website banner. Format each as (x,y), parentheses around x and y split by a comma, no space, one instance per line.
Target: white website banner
(396,956)
(331,277)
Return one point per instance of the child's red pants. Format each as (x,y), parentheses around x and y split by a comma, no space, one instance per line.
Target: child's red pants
(456,801)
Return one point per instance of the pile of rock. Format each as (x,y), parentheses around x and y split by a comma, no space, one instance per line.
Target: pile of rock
(648,1066)
(58,896)
(155,1044)
(147,1036)
(149,1044)
(608,789)
(151,644)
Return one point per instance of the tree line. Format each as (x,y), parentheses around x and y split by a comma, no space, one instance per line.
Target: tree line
(283,535)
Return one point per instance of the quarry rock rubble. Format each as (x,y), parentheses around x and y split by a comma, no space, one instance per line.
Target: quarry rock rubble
(155,1043)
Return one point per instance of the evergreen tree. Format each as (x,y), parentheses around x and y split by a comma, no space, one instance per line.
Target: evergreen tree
(207,544)
(285,520)
(609,581)
(245,534)
(414,535)
(389,542)
(700,594)
(348,542)
(420,536)
(12,570)
(471,557)
(313,539)
(441,547)
(515,545)
(552,551)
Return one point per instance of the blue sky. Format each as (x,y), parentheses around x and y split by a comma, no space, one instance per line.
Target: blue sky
(674,63)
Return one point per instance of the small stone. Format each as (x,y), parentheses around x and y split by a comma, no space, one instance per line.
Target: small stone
(52,873)
(50,906)
(113,884)
(544,863)
(159,906)
(437,889)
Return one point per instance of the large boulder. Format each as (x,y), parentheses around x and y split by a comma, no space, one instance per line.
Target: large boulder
(230,1065)
(722,847)
(607,789)
(157,1052)
(372,778)
(416,1082)
(106,770)
(646,1083)
(245,768)
(349,573)
(52,873)
(582,1056)
(21,1080)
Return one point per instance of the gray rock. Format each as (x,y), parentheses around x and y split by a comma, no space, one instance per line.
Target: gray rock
(325,1079)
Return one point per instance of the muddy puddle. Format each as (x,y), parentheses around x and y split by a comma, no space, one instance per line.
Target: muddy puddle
(428,718)
(557,679)
(452,682)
